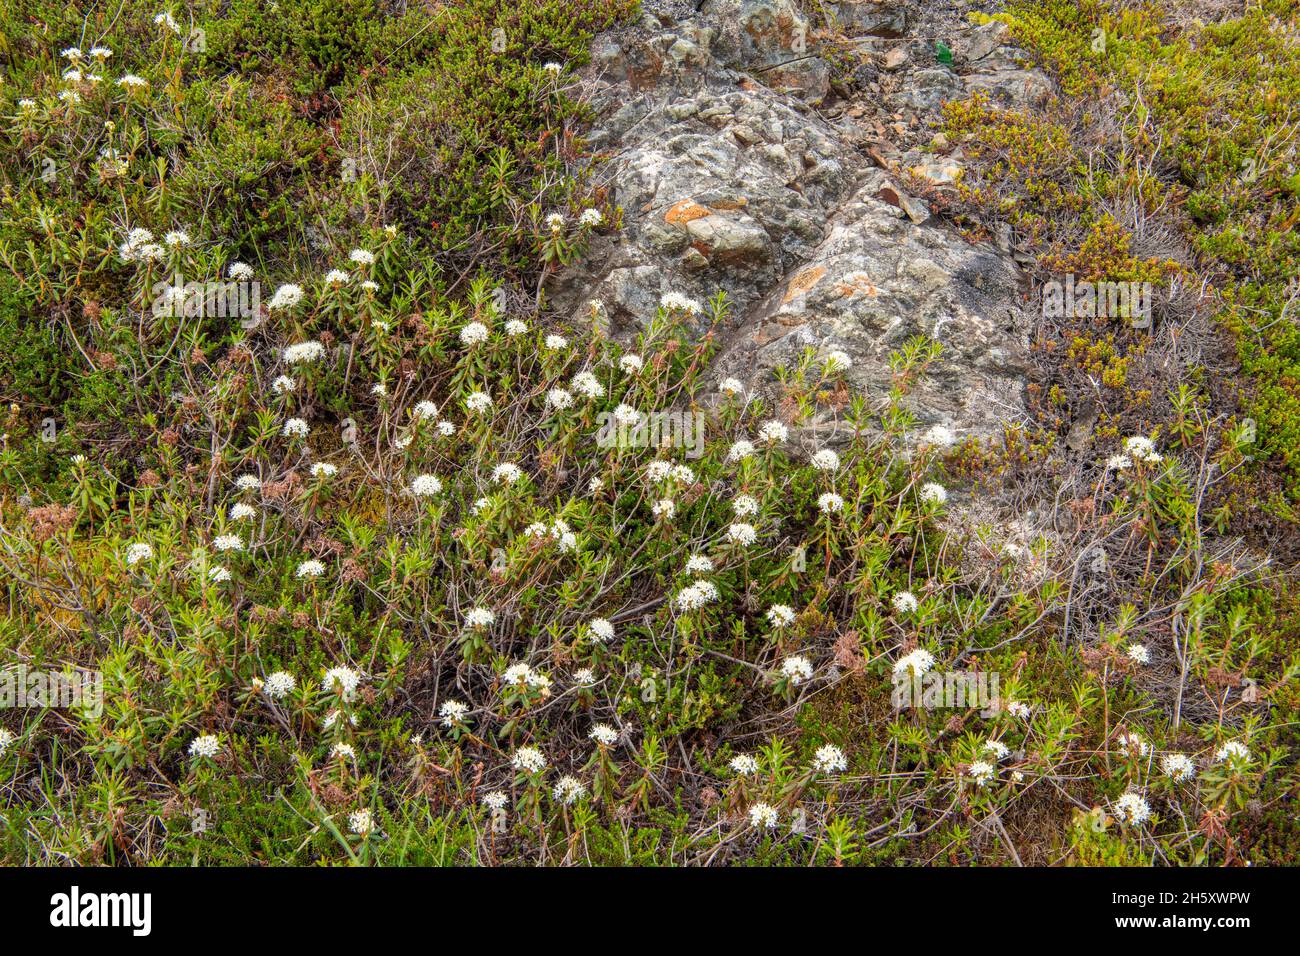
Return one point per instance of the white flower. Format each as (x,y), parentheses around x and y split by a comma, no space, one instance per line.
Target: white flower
(1119,463)
(286,297)
(796,669)
(295,428)
(591,218)
(601,630)
(6,739)
(625,416)
(552,67)
(514,327)
(362,257)
(218,574)
(940,436)
(981,771)
(506,473)
(780,615)
(1233,751)
(740,450)
(744,506)
(587,385)
(916,663)
(72,96)
(446,429)
(762,815)
(698,564)
(521,675)
(72,75)
(1142,449)
(744,764)
(279,685)
(495,800)
(473,334)
(282,384)
(830,503)
(631,364)
(138,552)
(422,486)
(248,483)
(340,751)
(825,460)
(1132,809)
(73,53)
(933,493)
(905,602)
(1178,766)
(164,19)
(695,596)
(304,352)
(604,734)
(452,713)
(1018,709)
(731,386)
(584,676)
(341,678)
(664,508)
(337,277)
(479,617)
(658,470)
(555,221)
(742,533)
(310,568)
(206,746)
(132,82)
(830,759)
(559,399)
(1133,743)
(361,822)
(997,748)
(176,238)
(556,342)
(568,790)
(1139,654)
(228,542)
(773,432)
(528,760)
(838,361)
(478,402)
(323,469)
(676,302)
(425,409)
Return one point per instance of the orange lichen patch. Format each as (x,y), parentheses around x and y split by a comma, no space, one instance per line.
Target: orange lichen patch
(857,283)
(685,211)
(803,281)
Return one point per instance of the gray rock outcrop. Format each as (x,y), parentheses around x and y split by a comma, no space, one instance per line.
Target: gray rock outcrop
(740,169)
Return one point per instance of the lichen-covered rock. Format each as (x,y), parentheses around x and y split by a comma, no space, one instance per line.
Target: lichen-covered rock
(729,183)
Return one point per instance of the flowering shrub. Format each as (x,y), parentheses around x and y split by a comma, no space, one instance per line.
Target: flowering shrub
(365,583)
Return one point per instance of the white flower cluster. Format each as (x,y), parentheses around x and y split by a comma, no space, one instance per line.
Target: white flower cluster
(1132,809)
